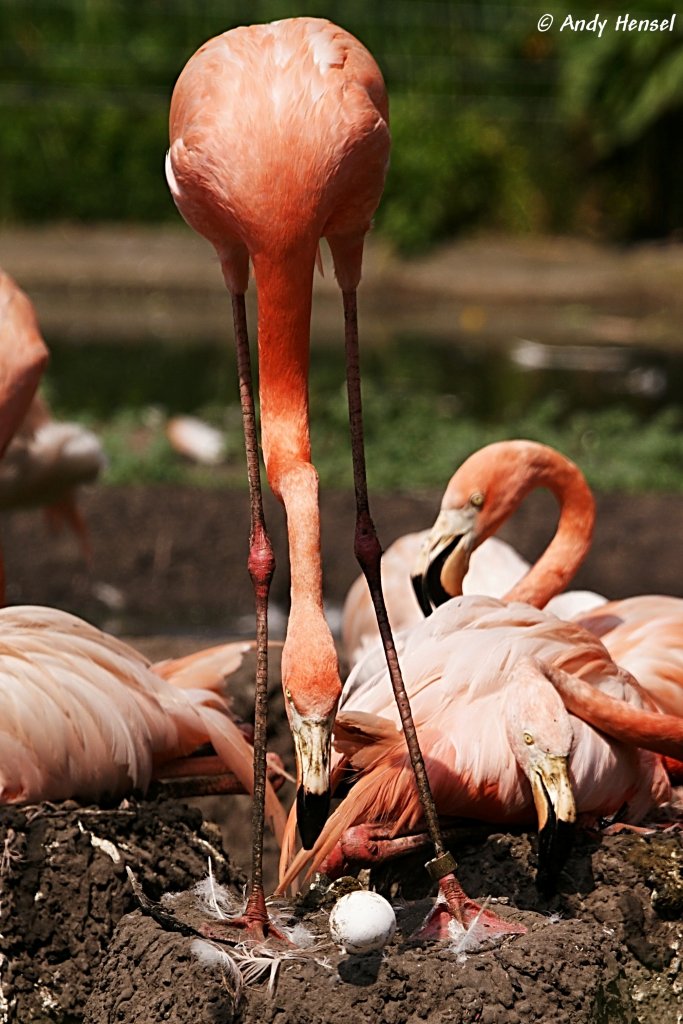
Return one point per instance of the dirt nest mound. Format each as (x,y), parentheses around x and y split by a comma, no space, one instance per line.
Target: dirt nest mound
(64,888)
(606,948)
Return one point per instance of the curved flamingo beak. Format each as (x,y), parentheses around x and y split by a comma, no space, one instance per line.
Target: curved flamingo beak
(444,558)
(312,746)
(556,810)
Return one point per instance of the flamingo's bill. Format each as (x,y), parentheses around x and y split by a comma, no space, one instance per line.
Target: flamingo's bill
(444,558)
(312,746)
(556,810)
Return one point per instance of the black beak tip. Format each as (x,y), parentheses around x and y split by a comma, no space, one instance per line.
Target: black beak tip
(555,841)
(312,810)
(420,589)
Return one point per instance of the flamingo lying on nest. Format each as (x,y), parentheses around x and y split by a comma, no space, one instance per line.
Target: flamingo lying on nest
(485,491)
(643,634)
(44,460)
(279,137)
(507,700)
(84,716)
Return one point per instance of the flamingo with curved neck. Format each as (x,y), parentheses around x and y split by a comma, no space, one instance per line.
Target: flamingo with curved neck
(480,496)
(460,554)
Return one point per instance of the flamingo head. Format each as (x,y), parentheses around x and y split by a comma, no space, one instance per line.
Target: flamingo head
(311,697)
(480,496)
(540,735)
(444,557)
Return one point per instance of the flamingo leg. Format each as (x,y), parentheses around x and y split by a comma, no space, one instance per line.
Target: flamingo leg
(261,564)
(374,844)
(369,553)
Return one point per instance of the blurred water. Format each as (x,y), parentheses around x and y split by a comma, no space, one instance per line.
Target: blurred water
(490,380)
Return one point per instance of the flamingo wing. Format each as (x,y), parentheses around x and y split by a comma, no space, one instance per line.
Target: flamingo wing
(83,715)
(645,635)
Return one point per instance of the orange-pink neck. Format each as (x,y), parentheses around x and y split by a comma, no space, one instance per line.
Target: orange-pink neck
(561,559)
(284,301)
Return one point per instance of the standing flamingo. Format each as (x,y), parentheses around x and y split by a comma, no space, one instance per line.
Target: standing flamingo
(500,743)
(279,137)
(23,356)
(461,555)
(43,461)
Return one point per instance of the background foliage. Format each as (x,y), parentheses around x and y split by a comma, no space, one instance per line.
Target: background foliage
(496,125)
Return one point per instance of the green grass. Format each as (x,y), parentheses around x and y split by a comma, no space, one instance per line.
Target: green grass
(414,443)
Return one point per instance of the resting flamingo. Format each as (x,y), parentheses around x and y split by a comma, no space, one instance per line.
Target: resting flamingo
(44,461)
(488,680)
(279,137)
(485,491)
(84,716)
(643,634)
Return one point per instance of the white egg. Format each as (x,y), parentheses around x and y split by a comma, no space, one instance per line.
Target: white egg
(362,922)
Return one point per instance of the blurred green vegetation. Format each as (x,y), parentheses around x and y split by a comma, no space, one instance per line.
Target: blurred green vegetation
(426,407)
(495,124)
(416,445)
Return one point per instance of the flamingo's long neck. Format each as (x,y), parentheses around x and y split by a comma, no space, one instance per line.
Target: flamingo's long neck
(639,727)
(568,548)
(284,302)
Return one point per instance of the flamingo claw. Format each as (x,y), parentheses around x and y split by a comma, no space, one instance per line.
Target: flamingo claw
(453,906)
(255,921)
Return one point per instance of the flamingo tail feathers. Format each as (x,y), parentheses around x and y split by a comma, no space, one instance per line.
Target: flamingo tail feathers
(237,754)
(204,670)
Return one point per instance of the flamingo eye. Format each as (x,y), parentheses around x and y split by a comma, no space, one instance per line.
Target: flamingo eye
(477,499)
(528,738)
(288,695)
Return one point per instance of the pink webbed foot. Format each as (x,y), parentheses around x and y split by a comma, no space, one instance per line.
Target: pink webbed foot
(452,905)
(255,921)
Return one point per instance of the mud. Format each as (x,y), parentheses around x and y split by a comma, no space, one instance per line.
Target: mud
(76,946)
(172,560)
(64,888)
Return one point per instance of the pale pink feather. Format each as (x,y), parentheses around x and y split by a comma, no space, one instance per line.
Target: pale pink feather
(84,716)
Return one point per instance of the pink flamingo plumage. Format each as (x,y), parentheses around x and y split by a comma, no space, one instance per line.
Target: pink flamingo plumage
(23,357)
(467,669)
(645,635)
(84,716)
(279,137)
